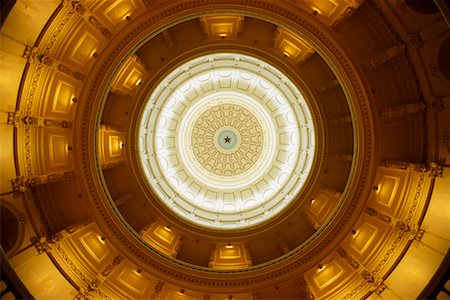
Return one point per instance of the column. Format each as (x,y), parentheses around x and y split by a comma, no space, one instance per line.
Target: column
(384,56)
(341,156)
(341,120)
(124,199)
(283,245)
(50,178)
(403,165)
(352,6)
(402,110)
(328,86)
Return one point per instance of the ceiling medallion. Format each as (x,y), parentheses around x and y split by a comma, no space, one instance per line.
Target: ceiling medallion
(227,165)
(226,141)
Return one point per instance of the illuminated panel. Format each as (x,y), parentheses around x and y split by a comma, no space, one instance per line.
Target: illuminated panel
(118,11)
(327,8)
(84,48)
(229,257)
(331,274)
(321,206)
(110,145)
(95,246)
(164,233)
(53,148)
(387,190)
(91,248)
(130,282)
(115,148)
(58,150)
(162,238)
(129,77)
(291,46)
(367,240)
(329,11)
(363,238)
(134,281)
(63,98)
(222,26)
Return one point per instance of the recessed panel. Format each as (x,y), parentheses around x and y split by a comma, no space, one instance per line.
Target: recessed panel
(95,246)
(387,190)
(118,10)
(328,275)
(62,101)
(364,237)
(115,146)
(134,281)
(84,49)
(58,146)
(164,234)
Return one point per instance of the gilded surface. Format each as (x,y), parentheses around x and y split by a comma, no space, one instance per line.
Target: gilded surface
(207,149)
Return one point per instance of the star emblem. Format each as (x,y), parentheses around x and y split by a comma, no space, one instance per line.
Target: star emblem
(227,139)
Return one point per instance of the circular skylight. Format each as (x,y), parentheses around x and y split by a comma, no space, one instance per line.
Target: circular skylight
(226,141)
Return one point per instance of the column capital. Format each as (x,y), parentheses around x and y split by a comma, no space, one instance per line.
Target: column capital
(378,287)
(42,245)
(18,184)
(14,118)
(416,233)
(436,170)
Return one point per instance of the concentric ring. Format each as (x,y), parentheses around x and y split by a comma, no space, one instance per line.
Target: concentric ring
(213,164)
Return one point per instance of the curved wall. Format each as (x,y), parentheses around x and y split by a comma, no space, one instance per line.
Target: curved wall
(390,249)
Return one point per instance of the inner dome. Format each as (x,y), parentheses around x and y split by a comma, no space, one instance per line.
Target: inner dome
(226,141)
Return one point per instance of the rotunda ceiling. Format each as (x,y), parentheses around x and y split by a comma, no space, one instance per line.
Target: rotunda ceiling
(212,148)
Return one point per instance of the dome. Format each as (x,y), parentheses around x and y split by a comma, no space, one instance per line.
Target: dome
(224,149)
(227,146)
